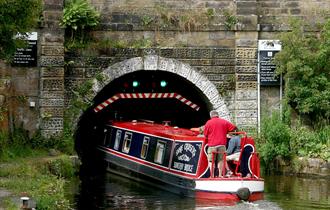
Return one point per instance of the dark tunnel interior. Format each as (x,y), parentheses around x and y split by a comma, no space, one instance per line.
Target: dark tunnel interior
(160,109)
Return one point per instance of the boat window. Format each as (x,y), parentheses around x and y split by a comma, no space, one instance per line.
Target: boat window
(117,140)
(127,142)
(160,151)
(105,131)
(144,149)
(108,136)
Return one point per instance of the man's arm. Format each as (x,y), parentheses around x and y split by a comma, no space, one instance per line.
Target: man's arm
(231,126)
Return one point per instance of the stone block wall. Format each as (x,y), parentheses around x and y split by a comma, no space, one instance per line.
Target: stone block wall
(225,55)
(274,16)
(201,34)
(217,37)
(19,92)
(51,62)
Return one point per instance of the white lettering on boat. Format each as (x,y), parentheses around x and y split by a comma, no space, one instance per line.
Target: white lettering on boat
(183,150)
(183,167)
(178,165)
(188,167)
(190,148)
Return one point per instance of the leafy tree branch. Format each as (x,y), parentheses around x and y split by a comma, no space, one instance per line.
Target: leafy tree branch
(304,62)
(17,16)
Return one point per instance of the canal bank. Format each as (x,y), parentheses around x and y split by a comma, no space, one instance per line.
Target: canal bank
(42,178)
(303,167)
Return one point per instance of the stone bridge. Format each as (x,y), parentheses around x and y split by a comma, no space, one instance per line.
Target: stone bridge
(214,59)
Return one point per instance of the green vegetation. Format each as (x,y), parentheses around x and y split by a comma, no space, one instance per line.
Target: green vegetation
(78,18)
(19,144)
(146,20)
(230,20)
(42,179)
(26,168)
(304,63)
(210,13)
(17,16)
(188,20)
(274,139)
(303,130)
(280,140)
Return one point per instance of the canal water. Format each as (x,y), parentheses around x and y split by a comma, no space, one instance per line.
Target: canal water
(110,191)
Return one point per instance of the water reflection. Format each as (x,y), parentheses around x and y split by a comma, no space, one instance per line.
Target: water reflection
(298,193)
(113,192)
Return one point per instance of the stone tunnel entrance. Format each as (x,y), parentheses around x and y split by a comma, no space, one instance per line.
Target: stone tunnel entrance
(134,81)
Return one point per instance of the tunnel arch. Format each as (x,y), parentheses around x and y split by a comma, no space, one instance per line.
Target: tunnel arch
(157,63)
(90,126)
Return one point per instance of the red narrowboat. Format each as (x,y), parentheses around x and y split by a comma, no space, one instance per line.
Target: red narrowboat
(174,159)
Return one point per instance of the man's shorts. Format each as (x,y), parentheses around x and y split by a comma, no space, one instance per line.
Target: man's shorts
(219,149)
(234,156)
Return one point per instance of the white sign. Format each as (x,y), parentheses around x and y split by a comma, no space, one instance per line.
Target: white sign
(269,45)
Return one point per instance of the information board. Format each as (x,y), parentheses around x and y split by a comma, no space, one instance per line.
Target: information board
(27,57)
(267,50)
(267,68)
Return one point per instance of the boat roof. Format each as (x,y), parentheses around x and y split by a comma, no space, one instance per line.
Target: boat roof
(161,130)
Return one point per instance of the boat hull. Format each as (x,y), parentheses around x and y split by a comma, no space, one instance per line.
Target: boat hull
(233,189)
(217,189)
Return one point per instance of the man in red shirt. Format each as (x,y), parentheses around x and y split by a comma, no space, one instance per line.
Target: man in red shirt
(215,132)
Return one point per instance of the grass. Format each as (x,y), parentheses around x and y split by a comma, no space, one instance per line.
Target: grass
(40,177)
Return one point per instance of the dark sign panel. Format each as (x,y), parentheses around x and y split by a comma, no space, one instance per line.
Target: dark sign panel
(267,68)
(186,156)
(27,57)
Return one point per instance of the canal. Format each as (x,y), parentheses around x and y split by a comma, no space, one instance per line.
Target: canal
(110,191)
